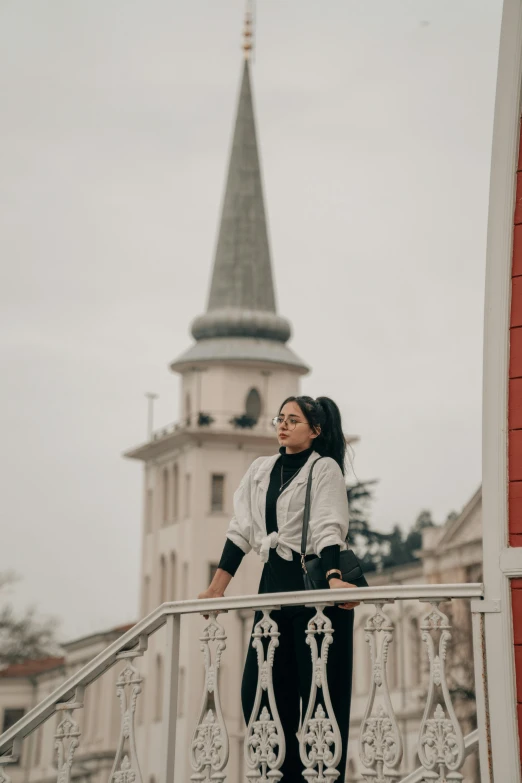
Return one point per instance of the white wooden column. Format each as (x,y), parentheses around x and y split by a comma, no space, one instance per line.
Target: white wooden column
(498,624)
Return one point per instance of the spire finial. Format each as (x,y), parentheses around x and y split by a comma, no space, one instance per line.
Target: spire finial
(248,43)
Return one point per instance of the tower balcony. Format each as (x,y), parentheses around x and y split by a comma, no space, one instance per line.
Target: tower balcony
(225,425)
(217,421)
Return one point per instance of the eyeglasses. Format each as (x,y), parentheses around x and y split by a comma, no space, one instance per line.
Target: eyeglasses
(291,423)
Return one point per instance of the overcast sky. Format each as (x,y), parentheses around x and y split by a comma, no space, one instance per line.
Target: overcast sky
(375,123)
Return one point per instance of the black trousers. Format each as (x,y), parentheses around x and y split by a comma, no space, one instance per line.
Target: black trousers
(292,669)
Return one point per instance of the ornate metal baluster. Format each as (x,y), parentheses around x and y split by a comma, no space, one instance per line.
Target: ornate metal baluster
(265,732)
(67,736)
(209,749)
(66,740)
(441,744)
(320,732)
(12,758)
(380,743)
(126,768)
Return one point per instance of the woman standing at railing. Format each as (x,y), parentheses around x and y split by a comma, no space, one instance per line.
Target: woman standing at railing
(268,517)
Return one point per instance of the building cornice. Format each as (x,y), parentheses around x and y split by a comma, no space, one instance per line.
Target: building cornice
(155,449)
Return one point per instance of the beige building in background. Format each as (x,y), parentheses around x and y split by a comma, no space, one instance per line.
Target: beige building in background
(451,553)
(233,379)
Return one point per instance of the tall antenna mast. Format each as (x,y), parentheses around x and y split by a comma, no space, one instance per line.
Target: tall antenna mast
(248,31)
(150,412)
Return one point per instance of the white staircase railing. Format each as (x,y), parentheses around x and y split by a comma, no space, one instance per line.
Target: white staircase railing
(441,746)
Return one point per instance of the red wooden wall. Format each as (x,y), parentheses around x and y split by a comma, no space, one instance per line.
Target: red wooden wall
(515,430)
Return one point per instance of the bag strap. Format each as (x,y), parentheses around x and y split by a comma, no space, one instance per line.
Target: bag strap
(306,515)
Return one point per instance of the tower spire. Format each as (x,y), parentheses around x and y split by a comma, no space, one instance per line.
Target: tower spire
(242,302)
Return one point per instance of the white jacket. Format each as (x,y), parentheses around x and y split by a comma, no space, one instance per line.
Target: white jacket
(328,517)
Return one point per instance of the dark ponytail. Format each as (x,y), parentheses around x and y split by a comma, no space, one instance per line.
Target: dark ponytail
(323,413)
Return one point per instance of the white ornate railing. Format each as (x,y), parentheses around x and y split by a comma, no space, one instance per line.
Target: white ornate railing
(441,746)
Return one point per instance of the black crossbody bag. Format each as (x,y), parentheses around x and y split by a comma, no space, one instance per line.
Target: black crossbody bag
(313,571)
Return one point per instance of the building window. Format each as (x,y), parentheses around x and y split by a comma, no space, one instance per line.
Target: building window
(212,568)
(352,772)
(393,667)
(11,716)
(187,495)
(163,580)
(365,663)
(38,746)
(175,492)
(181,691)
(173,575)
(414,643)
(217,492)
(146,595)
(184,582)
(148,511)
(158,707)
(140,707)
(253,404)
(188,410)
(166,493)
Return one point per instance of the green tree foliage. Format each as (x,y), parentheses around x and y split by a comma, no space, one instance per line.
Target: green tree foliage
(378,550)
(368,544)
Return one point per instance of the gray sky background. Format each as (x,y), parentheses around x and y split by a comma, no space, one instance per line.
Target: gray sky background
(375,122)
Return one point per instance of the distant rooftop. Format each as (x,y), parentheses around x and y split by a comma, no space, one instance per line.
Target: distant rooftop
(32,667)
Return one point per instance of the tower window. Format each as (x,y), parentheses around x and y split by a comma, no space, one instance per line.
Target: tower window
(187,494)
(217,492)
(158,706)
(166,493)
(163,580)
(173,577)
(188,410)
(253,404)
(148,511)
(175,493)
(146,595)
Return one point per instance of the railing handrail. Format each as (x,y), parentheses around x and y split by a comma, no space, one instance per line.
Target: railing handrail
(139,633)
(388,593)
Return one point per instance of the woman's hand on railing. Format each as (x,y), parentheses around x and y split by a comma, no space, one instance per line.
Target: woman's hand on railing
(217,587)
(337,584)
(211,592)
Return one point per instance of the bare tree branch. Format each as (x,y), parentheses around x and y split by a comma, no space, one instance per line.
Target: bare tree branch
(24,637)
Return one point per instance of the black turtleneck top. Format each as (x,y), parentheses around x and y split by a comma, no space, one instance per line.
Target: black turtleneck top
(286,467)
